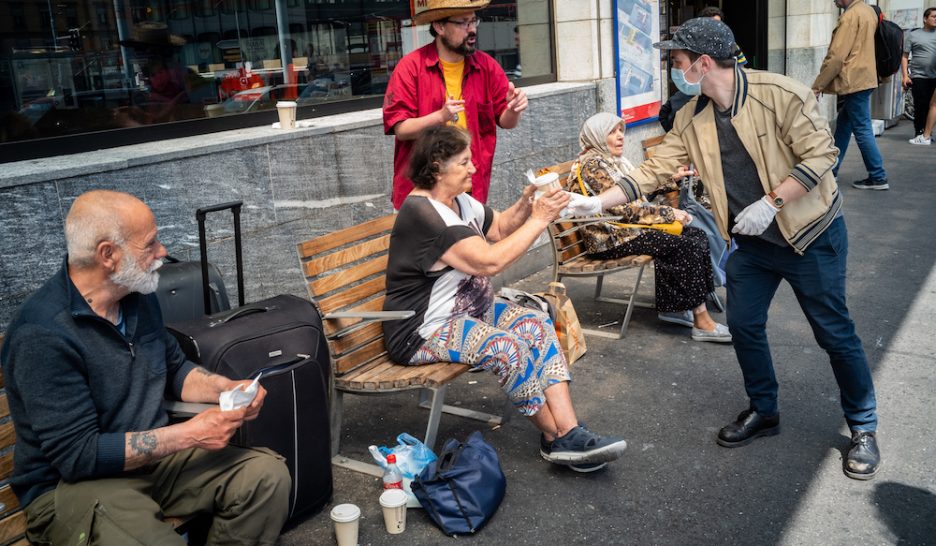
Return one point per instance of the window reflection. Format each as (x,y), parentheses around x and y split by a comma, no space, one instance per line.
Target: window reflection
(77,66)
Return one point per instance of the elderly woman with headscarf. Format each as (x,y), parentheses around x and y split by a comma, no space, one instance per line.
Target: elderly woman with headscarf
(444,248)
(681,262)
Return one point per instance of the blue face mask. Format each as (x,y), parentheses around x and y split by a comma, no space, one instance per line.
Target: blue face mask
(679,80)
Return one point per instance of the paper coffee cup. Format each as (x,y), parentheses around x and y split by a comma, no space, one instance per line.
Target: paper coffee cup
(287,114)
(393,502)
(214,110)
(545,183)
(346,518)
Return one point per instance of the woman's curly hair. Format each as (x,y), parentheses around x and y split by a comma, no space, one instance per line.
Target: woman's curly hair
(434,147)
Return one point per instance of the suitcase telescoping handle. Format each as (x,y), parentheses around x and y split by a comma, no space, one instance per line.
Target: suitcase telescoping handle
(200,215)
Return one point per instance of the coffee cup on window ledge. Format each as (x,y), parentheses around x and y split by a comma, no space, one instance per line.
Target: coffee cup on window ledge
(287,114)
(546,182)
(214,110)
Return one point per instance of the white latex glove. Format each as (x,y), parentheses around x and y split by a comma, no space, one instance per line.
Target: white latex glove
(579,205)
(755,218)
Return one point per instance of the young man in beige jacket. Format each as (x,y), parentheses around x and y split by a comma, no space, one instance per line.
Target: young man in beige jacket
(849,71)
(766,156)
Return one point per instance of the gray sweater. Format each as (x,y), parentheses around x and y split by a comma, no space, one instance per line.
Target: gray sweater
(76,385)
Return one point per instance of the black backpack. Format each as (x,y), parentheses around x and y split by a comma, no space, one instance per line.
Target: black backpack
(888,46)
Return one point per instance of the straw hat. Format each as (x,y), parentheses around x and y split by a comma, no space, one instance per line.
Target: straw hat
(150,34)
(427,11)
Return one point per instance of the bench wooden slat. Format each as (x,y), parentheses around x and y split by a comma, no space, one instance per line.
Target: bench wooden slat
(12,527)
(329,283)
(355,339)
(7,434)
(353,295)
(366,353)
(342,237)
(9,500)
(339,259)
(4,406)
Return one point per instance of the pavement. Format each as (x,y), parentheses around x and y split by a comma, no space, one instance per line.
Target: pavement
(668,396)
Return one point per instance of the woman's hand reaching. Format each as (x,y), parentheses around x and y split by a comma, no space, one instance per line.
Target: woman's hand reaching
(682,217)
(550,205)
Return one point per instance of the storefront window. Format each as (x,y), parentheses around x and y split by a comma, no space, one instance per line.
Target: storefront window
(69,68)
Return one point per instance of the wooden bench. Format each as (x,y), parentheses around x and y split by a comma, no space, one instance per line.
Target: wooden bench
(12,517)
(345,274)
(570,260)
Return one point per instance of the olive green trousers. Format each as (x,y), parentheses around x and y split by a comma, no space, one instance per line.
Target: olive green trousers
(245,490)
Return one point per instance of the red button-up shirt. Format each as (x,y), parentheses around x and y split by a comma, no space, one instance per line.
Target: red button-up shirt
(417,88)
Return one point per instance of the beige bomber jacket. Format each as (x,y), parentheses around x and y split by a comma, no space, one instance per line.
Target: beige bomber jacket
(850,65)
(778,121)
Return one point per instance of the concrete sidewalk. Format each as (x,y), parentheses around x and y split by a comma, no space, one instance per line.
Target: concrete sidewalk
(669,395)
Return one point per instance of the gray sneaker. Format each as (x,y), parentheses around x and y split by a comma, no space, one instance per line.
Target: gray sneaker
(581,446)
(682,318)
(719,335)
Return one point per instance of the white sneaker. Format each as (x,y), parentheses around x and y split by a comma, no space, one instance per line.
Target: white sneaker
(921,140)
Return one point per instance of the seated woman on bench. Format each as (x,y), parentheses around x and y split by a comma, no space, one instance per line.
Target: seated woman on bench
(681,262)
(444,248)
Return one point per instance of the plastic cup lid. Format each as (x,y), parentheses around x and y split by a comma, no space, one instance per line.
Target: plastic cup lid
(391,498)
(344,513)
(285,104)
(547,178)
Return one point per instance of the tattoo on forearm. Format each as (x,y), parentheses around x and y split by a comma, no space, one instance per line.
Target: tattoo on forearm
(202,371)
(143,443)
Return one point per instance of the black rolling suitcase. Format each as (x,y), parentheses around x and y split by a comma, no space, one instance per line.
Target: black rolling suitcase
(183,293)
(282,338)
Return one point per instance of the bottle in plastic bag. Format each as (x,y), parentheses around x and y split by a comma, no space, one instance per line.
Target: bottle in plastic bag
(392,478)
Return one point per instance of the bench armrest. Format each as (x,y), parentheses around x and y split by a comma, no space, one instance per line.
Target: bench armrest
(186,409)
(370,315)
(367,317)
(588,219)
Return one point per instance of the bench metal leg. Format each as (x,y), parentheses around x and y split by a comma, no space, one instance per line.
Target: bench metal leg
(599,282)
(437,407)
(630,302)
(337,458)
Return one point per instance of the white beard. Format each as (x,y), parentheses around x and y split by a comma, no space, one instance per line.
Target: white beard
(132,277)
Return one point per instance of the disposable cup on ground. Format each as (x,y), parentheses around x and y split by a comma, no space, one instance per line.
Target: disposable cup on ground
(287,114)
(346,518)
(393,502)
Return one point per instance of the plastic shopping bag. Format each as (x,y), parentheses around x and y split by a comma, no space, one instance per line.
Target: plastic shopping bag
(411,457)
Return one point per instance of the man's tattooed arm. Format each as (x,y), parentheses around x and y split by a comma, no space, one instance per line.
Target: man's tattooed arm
(143,448)
(203,386)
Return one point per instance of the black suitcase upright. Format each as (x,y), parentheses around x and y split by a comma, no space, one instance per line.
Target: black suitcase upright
(282,338)
(183,291)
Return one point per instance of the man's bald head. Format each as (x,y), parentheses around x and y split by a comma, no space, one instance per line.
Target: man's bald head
(97,216)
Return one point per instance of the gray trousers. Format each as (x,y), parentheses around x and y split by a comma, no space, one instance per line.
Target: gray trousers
(245,490)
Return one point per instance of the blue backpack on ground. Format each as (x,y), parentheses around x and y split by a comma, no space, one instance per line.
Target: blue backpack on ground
(464,487)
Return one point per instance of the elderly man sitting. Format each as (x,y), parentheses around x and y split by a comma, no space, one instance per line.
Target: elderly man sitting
(87,363)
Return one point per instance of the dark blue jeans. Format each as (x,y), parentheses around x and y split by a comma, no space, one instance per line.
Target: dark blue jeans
(854,116)
(817,277)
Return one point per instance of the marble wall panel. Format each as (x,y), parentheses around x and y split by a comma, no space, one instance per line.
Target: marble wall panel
(32,244)
(302,175)
(364,162)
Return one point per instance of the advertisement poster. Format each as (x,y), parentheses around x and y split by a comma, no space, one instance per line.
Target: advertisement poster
(638,64)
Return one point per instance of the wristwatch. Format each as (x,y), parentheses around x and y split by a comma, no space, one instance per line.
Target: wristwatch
(776,200)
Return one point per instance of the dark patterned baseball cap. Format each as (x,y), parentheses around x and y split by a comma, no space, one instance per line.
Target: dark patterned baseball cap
(703,35)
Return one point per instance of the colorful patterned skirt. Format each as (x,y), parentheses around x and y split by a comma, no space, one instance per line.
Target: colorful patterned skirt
(516,343)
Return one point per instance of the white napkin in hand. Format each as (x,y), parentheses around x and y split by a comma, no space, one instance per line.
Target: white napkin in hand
(239,396)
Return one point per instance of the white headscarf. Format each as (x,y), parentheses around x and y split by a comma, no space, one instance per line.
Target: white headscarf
(594,138)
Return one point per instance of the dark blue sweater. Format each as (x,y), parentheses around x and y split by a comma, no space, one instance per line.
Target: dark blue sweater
(76,385)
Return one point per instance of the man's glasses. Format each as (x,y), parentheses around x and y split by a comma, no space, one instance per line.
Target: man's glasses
(467,23)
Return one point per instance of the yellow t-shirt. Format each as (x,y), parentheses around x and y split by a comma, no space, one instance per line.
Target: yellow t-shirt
(453,73)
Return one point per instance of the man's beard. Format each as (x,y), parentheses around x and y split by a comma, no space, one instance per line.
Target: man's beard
(132,277)
(463,48)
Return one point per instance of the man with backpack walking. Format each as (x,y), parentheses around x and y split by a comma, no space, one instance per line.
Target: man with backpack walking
(849,70)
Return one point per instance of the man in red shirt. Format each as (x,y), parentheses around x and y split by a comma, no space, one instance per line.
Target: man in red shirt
(449,81)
